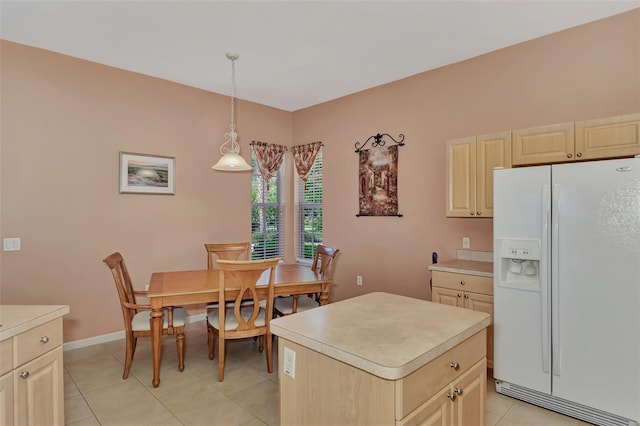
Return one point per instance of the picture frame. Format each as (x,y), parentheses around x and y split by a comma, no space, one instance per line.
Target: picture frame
(147,174)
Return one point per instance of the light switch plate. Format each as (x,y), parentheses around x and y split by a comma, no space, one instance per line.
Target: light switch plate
(11,244)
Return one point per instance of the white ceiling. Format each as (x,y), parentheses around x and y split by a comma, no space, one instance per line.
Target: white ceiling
(293,54)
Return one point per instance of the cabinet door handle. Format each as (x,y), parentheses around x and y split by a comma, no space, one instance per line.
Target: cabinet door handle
(462,282)
(451,395)
(24,374)
(457,390)
(459,295)
(466,296)
(472,213)
(579,155)
(478,213)
(454,365)
(569,155)
(44,339)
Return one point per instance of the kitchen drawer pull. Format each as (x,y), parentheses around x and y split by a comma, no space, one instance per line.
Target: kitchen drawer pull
(462,282)
(24,374)
(44,339)
(454,365)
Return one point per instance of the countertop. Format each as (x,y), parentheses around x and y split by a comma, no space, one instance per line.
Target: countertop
(468,262)
(387,335)
(16,319)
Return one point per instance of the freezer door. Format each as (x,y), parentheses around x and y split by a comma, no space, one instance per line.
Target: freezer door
(521,310)
(596,289)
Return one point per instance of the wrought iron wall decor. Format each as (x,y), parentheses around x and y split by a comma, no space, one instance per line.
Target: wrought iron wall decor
(378,177)
(378,141)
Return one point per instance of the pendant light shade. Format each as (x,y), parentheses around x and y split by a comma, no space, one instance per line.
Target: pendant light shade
(231,160)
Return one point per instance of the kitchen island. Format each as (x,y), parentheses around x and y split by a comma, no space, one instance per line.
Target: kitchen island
(382,359)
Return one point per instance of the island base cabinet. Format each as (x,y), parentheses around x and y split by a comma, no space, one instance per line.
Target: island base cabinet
(38,387)
(448,390)
(463,402)
(325,391)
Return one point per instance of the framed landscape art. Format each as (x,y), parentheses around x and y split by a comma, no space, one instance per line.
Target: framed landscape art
(147,174)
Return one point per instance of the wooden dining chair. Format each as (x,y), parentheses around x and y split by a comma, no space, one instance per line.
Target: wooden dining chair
(225,251)
(323,263)
(242,321)
(137,316)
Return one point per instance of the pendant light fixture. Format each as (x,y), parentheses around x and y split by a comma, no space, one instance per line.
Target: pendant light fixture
(231,160)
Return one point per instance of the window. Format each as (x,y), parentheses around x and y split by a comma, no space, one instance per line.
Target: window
(310,211)
(267,224)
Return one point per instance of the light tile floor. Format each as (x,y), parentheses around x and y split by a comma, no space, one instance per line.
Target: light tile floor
(95,393)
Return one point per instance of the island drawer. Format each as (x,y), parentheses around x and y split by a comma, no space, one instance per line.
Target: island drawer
(472,283)
(423,383)
(37,341)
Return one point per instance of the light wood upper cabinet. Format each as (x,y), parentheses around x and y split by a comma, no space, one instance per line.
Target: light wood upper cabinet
(470,163)
(541,145)
(608,137)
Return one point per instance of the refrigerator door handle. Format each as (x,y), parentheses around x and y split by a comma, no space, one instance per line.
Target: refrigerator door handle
(544,277)
(555,283)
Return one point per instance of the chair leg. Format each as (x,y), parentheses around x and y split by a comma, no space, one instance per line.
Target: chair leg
(221,354)
(128,357)
(260,343)
(269,352)
(180,345)
(211,340)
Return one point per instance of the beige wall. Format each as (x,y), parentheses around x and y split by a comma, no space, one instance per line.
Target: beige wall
(65,120)
(586,72)
(63,123)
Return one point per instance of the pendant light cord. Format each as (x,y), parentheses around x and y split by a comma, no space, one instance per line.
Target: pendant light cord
(233,92)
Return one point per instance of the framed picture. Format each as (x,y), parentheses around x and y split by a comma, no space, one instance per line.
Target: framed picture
(147,174)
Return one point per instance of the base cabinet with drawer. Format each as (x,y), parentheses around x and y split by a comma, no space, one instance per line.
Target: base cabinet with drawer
(32,381)
(466,291)
(448,391)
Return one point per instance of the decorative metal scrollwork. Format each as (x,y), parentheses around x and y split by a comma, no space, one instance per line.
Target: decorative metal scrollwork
(378,141)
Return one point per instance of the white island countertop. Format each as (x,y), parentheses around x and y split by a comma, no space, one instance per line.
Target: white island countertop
(15,319)
(387,335)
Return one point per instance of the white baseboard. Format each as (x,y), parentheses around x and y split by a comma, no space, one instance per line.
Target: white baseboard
(90,341)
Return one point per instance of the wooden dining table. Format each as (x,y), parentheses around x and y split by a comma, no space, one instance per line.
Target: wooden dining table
(179,288)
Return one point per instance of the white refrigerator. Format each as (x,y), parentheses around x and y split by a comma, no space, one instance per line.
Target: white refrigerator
(567,288)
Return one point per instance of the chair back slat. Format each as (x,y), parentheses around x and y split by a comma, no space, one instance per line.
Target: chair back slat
(227,251)
(323,260)
(122,280)
(244,275)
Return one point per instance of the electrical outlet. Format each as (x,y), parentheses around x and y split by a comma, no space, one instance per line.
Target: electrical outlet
(359,280)
(466,242)
(289,365)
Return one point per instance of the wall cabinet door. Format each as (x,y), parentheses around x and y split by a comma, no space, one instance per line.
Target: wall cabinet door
(470,164)
(541,145)
(608,137)
(461,177)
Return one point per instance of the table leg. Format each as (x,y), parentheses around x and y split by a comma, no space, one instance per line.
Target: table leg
(156,343)
(324,294)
